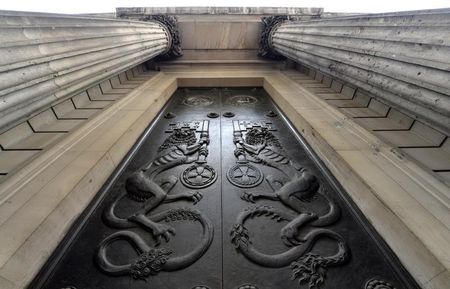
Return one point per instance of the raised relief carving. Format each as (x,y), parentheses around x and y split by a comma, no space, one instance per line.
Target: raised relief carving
(269,25)
(198,176)
(378,284)
(244,175)
(247,286)
(146,186)
(198,100)
(241,99)
(170,23)
(297,189)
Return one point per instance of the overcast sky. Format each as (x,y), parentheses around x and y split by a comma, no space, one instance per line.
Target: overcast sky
(97,6)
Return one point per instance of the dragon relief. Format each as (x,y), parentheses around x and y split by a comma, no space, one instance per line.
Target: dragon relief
(146,186)
(298,189)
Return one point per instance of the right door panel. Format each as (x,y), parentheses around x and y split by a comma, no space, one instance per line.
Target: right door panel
(285,225)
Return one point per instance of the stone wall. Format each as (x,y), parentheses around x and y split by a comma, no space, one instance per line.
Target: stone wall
(219,34)
(295,11)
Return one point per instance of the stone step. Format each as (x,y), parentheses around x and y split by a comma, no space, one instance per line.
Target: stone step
(67,110)
(426,145)
(26,140)
(115,83)
(418,135)
(13,159)
(47,121)
(95,93)
(82,100)
(22,137)
(374,109)
(395,120)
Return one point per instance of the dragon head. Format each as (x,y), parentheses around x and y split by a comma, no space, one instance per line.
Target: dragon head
(136,187)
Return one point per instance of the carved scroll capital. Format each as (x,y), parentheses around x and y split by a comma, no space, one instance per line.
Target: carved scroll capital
(269,25)
(171,25)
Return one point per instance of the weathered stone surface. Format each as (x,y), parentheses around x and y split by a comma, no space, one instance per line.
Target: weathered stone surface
(45,58)
(219,10)
(218,33)
(25,141)
(401,58)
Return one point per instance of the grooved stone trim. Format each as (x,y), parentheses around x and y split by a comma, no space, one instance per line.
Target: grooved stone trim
(46,58)
(401,58)
(25,141)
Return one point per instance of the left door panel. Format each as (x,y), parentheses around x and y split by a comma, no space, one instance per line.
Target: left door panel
(169,193)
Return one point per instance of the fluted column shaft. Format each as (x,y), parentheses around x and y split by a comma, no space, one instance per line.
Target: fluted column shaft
(46,58)
(401,58)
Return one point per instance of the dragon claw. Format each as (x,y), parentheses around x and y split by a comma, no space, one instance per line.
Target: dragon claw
(196,197)
(290,242)
(248,197)
(163,231)
(288,236)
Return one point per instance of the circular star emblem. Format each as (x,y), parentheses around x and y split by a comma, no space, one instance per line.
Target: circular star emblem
(244,175)
(198,100)
(198,176)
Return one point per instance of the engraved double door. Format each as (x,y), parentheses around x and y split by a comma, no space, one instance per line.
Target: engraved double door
(221,193)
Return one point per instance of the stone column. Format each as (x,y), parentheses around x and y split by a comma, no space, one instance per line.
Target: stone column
(400,58)
(46,58)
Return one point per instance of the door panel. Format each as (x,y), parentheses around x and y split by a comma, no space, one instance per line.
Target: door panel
(222,193)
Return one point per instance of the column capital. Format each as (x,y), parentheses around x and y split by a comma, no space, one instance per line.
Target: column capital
(170,24)
(269,25)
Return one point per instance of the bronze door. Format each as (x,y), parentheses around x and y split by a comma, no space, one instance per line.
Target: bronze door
(220,192)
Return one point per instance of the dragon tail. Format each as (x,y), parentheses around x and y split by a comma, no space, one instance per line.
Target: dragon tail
(180,262)
(311,268)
